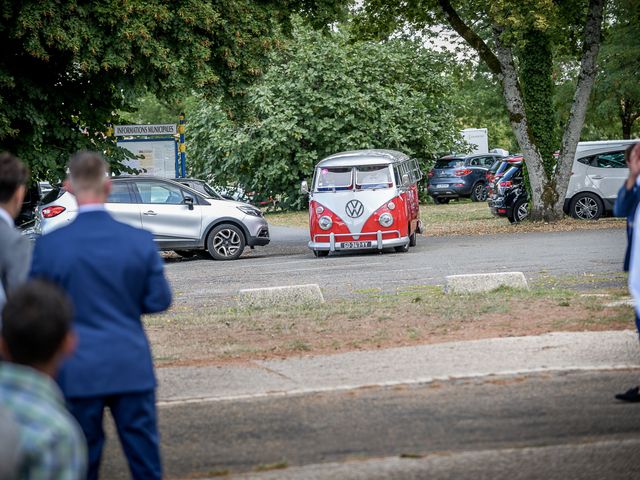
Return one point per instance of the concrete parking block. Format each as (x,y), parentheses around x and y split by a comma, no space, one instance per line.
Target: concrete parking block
(484,282)
(287,295)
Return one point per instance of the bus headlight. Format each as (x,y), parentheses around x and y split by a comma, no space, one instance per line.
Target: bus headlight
(386,220)
(325,222)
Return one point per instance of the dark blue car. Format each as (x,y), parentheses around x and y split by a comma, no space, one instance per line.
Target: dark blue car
(455,176)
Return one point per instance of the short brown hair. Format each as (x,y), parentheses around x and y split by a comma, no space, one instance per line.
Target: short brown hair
(35,321)
(87,170)
(13,173)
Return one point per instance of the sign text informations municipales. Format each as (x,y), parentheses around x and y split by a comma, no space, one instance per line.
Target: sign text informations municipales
(135,130)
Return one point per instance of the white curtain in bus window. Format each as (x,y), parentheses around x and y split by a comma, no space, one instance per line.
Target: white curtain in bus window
(373,177)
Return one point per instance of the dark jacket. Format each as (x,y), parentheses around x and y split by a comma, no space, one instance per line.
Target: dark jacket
(625,206)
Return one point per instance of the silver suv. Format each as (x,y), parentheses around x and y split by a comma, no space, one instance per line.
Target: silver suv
(181,219)
(598,172)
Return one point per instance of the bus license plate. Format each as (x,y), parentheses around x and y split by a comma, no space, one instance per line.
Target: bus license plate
(355,245)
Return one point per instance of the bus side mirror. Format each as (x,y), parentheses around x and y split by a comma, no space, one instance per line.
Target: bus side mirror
(405,179)
(304,187)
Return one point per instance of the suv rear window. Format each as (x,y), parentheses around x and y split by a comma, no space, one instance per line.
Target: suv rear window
(52,195)
(449,162)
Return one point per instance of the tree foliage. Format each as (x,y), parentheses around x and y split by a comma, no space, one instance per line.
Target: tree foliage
(326,94)
(517,40)
(67,66)
(617,90)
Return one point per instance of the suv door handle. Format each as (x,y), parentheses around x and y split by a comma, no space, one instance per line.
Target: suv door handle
(597,177)
(150,213)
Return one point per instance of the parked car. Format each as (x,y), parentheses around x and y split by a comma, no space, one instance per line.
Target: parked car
(455,176)
(33,194)
(498,169)
(510,198)
(180,218)
(596,176)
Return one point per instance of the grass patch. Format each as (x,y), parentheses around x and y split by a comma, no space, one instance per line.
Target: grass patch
(367,319)
(463,217)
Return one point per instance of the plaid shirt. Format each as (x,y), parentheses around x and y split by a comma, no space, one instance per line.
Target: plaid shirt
(52,444)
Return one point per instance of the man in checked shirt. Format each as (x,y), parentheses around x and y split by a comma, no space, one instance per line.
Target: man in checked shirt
(35,337)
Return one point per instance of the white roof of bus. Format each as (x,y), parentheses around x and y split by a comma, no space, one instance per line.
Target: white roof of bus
(362,157)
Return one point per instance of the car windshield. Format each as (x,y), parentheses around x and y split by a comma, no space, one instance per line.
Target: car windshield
(449,162)
(502,168)
(512,172)
(210,191)
(333,178)
(374,176)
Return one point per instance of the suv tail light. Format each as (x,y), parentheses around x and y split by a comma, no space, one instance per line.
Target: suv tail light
(52,211)
(430,174)
(508,183)
(463,172)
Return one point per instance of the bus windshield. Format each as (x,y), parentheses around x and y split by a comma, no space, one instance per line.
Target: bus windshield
(374,176)
(334,178)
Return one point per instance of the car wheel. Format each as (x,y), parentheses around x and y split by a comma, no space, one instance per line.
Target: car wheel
(441,201)
(225,242)
(479,193)
(413,239)
(402,248)
(586,206)
(321,253)
(520,211)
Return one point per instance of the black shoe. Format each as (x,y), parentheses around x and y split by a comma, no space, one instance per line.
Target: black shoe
(632,395)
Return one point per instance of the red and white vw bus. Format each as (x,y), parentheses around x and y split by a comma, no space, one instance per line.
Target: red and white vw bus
(364,199)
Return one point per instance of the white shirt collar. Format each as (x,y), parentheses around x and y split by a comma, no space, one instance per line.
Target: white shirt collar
(91,207)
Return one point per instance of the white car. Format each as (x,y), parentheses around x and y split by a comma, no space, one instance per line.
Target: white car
(598,172)
(180,218)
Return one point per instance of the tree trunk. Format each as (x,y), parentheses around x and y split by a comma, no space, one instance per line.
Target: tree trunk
(591,45)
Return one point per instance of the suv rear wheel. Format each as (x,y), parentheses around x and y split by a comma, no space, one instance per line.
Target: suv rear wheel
(225,242)
(586,206)
(479,193)
(520,211)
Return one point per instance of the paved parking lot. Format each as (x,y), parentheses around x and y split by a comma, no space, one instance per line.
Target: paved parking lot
(287,261)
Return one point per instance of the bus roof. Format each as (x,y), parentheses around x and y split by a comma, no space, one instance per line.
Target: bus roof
(363,157)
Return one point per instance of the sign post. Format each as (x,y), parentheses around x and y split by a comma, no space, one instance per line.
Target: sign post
(182,148)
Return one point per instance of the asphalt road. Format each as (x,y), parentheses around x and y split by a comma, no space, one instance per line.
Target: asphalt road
(287,261)
(552,426)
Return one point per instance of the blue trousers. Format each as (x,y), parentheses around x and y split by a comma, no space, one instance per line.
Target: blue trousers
(137,424)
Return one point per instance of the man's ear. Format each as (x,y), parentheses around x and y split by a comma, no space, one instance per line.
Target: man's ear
(68,186)
(69,344)
(107,187)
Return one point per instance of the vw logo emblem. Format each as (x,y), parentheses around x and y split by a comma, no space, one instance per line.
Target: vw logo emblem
(354,208)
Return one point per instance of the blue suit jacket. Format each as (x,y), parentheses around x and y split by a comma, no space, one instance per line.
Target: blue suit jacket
(625,206)
(113,274)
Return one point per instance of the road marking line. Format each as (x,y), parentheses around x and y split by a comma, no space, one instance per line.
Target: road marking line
(392,383)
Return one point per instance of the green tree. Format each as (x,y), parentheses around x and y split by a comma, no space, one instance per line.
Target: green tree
(477,103)
(326,94)
(617,90)
(68,66)
(517,40)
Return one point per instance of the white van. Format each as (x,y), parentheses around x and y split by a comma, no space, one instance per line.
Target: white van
(598,172)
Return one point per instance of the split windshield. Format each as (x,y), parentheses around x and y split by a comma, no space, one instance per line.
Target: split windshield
(342,178)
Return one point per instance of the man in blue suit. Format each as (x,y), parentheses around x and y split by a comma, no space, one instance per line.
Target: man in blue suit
(114,274)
